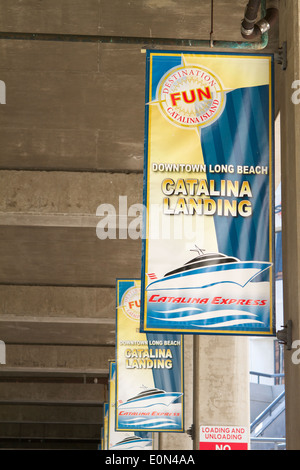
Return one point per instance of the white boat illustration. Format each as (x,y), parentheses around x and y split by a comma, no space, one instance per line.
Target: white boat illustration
(208,269)
(150,397)
(133,442)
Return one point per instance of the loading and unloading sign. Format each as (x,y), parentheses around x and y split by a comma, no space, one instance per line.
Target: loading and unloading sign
(223,438)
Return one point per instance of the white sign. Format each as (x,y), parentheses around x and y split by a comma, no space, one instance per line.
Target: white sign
(2,352)
(223,438)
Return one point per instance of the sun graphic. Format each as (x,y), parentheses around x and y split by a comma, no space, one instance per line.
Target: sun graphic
(190,96)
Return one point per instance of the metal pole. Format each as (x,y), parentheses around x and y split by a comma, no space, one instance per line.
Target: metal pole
(289,107)
(196,401)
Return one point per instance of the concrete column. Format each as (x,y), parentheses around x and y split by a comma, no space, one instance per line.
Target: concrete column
(290,171)
(216,387)
(182,441)
(221,382)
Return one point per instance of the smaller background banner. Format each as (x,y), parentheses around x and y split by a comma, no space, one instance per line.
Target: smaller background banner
(123,440)
(149,370)
(105,425)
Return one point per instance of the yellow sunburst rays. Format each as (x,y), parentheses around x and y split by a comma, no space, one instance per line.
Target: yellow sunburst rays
(186,109)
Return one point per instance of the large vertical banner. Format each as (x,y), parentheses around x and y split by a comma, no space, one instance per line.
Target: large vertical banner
(122,440)
(149,373)
(208,190)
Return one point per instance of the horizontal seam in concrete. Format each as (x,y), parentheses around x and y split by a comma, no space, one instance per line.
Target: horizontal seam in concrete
(56,423)
(74,170)
(51,403)
(130,40)
(33,284)
(53,371)
(49,439)
(71,220)
(68,320)
(82,345)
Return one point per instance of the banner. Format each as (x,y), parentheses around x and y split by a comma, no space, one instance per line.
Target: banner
(122,440)
(207,264)
(149,369)
(105,425)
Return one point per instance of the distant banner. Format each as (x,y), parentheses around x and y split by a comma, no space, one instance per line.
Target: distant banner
(207,264)
(122,440)
(149,369)
(105,425)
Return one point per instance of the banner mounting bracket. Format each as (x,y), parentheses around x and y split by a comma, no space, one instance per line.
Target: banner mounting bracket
(281,56)
(285,336)
(191,432)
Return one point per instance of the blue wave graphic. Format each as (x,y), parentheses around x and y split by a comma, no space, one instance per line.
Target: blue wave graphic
(145,422)
(209,316)
(213,315)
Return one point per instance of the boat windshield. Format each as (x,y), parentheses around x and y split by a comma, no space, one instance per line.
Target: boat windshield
(147,393)
(129,439)
(203,261)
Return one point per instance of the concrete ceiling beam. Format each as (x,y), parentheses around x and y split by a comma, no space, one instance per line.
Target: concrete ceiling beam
(51,330)
(55,394)
(40,413)
(58,358)
(58,302)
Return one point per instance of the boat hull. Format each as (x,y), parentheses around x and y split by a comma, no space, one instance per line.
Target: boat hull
(134,444)
(239,273)
(229,299)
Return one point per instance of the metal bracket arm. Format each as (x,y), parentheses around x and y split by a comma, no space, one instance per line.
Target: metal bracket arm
(285,336)
(281,56)
(191,432)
